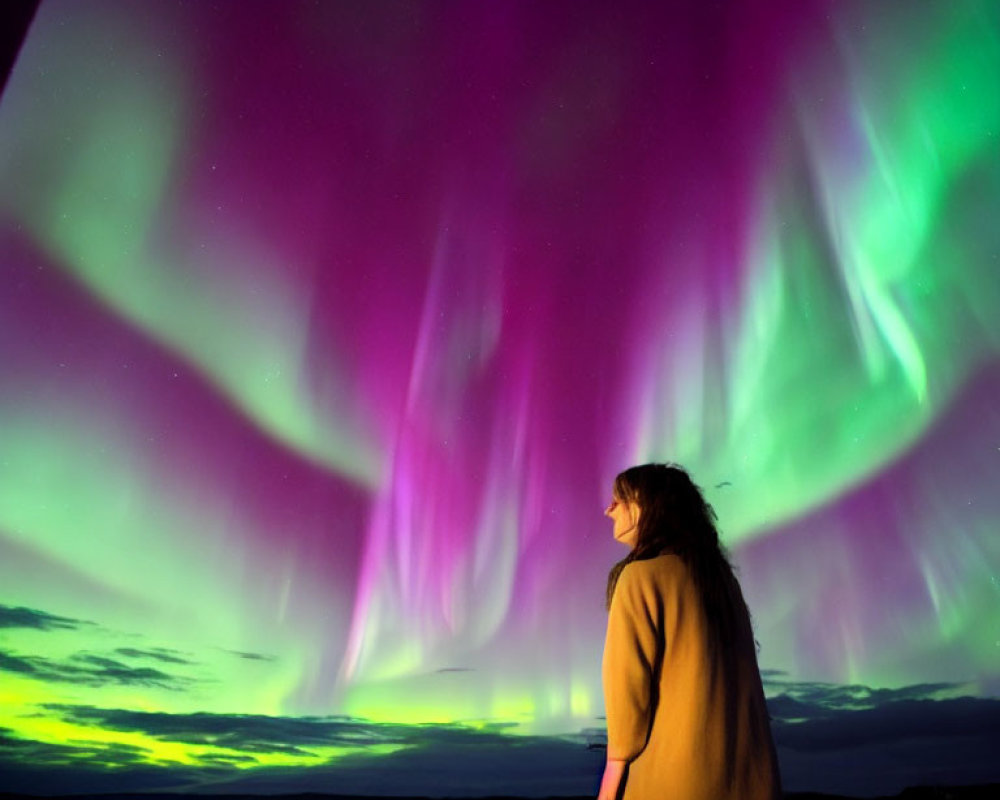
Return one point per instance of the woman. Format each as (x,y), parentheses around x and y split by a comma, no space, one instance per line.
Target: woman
(682,692)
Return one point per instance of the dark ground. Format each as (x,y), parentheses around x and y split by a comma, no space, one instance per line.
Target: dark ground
(985,792)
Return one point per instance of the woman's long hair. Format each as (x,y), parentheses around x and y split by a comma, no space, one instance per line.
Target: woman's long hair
(675,518)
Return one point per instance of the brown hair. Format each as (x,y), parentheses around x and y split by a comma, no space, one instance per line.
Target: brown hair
(675,518)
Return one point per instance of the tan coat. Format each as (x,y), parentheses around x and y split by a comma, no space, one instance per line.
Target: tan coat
(685,734)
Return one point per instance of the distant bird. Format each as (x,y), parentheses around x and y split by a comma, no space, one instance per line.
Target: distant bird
(724,483)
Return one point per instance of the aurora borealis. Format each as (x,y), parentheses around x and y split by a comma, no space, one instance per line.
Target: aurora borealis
(325,326)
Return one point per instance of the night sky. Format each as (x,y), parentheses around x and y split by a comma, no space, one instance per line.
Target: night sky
(325,326)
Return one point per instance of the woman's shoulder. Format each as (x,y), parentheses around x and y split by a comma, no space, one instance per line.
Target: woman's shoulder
(662,566)
(649,582)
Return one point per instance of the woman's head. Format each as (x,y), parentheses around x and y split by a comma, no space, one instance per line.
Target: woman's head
(667,510)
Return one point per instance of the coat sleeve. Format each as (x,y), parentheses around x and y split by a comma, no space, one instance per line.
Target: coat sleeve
(630,657)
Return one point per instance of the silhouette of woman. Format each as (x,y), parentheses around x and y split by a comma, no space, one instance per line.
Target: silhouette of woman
(682,691)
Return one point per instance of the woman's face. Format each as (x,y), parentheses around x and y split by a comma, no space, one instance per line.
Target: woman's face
(625,515)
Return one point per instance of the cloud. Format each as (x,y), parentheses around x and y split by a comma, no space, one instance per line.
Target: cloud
(33,767)
(156,653)
(21,617)
(252,656)
(12,663)
(892,722)
(819,696)
(836,739)
(441,759)
(767,674)
(90,670)
(87,668)
(108,754)
(438,760)
(254,733)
